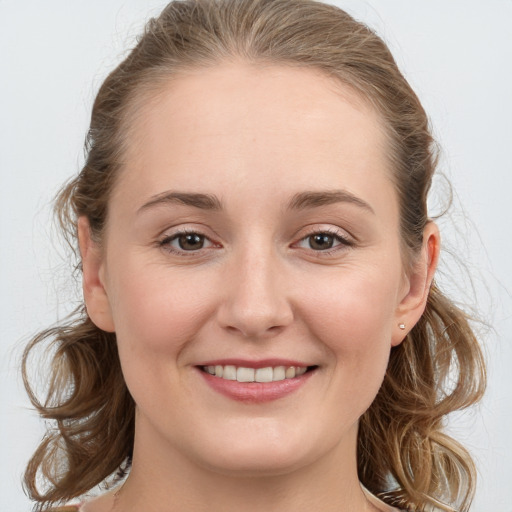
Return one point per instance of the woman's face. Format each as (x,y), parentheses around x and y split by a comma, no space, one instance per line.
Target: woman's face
(253,229)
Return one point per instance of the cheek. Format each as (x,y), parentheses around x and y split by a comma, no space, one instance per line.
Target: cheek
(354,318)
(157,311)
(156,315)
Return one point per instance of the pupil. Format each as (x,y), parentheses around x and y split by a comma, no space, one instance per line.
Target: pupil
(190,242)
(321,242)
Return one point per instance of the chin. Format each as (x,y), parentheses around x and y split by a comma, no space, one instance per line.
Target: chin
(270,454)
(252,465)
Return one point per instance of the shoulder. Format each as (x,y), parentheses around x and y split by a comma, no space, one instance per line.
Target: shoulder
(67,508)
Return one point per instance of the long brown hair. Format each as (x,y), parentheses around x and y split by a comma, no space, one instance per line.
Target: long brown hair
(403,454)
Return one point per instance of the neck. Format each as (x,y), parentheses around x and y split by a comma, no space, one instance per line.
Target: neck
(166,480)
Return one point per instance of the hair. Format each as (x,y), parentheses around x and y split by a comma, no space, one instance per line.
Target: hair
(404,457)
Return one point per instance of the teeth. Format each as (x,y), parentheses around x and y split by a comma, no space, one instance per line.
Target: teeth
(279,373)
(228,373)
(264,375)
(290,372)
(268,374)
(245,374)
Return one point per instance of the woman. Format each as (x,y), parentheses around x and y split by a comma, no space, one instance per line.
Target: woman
(261,329)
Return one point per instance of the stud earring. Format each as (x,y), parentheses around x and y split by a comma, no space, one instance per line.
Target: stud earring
(402,326)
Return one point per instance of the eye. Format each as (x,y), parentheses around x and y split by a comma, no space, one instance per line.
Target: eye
(324,241)
(321,241)
(188,241)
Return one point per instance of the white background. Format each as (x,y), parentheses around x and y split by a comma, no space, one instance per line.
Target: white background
(458,56)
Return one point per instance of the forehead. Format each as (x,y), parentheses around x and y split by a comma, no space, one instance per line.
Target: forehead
(236,122)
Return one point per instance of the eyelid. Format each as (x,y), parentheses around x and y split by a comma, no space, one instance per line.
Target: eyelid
(346,241)
(164,241)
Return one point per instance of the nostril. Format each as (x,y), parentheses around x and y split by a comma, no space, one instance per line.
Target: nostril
(252,314)
(254,331)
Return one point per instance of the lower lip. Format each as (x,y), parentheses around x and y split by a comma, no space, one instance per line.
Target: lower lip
(255,392)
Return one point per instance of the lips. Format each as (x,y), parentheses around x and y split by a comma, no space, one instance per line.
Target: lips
(255,382)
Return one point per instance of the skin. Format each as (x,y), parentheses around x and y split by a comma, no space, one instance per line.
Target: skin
(254,137)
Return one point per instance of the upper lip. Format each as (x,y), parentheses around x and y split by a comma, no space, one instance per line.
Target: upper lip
(260,363)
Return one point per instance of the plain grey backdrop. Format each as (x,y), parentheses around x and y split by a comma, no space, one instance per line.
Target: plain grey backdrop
(457,54)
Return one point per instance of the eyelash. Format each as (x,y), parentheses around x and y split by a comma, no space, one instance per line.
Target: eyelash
(165,243)
(344,242)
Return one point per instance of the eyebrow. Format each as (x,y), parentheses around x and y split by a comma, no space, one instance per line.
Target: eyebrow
(201,201)
(314,199)
(300,201)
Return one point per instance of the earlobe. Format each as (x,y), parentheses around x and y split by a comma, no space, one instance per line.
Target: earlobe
(413,303)
(95,295)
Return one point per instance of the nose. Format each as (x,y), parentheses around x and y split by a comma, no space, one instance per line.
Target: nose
(255,304)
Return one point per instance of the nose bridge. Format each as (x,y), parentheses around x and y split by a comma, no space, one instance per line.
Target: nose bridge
(256,302)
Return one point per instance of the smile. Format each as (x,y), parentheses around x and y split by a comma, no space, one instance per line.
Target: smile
(256,382)
(244,374)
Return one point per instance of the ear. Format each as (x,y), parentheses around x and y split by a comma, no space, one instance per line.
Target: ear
(95,295)
(417,285)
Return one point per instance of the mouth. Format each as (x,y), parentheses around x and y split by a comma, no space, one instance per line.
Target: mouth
(249,384)
(266,374)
